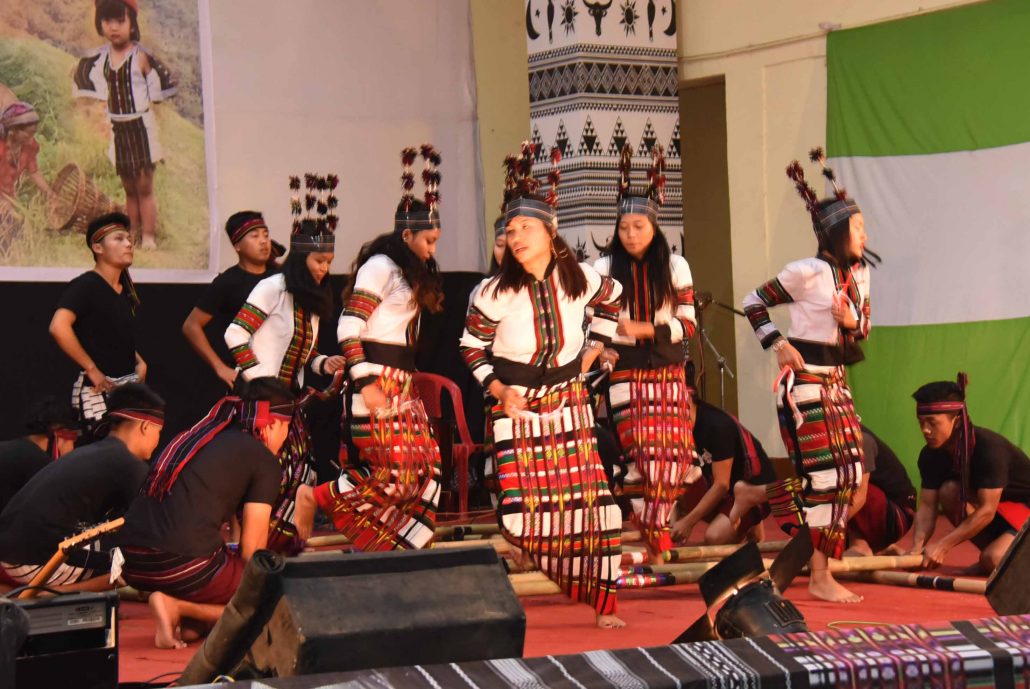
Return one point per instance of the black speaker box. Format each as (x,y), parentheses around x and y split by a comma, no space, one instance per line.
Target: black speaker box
(1007,591)
(356,611)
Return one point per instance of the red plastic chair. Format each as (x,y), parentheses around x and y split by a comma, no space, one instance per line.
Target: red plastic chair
(430,387)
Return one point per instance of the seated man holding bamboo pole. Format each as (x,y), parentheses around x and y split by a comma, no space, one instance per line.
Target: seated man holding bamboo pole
(979,479)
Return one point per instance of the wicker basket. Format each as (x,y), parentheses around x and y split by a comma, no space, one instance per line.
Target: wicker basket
(11,222)
(75,201)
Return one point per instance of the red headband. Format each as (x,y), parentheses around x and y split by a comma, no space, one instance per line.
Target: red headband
(242,230)
(154,416)
(939,408)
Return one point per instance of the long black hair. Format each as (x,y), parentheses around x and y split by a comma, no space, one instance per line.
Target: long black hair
(657,258)
(513,276)
(422,276)
(312,297)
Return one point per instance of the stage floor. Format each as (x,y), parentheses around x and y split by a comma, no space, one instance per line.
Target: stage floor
(654,617)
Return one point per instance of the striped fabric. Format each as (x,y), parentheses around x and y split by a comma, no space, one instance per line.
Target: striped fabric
(391,502)
(360,305)
(651,412)
(297,352)
(297,466)
(250,319)
(210,580)
(554,502)
(821,433)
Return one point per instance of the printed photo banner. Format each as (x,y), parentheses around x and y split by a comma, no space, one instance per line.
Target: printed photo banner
(93,122)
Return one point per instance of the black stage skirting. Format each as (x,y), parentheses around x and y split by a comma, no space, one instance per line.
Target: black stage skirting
(992,652)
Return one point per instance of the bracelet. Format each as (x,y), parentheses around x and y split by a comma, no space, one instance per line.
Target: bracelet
(779,345)
(595,344)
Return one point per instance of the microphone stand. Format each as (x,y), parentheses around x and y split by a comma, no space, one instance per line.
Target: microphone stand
(720,361)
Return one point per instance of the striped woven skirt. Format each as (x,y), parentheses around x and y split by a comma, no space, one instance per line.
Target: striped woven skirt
(297,467)
(651,412)
(212,579)
(134,145)
(388,502)
(554,502)
(821,433)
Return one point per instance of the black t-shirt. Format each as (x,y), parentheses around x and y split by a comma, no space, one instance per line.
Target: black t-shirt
(717,436)
(19,461)
(104,323)
(85,487)
(886,471)
(234,468)
(222,300)
(996,463)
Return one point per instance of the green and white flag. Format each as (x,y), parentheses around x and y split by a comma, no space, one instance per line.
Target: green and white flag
(928,126)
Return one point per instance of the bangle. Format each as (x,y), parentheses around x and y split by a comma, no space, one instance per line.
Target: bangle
(595,344)
(779,345)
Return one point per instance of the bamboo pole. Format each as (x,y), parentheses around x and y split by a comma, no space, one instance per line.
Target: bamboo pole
(923,581)
(875,562)
(706,552)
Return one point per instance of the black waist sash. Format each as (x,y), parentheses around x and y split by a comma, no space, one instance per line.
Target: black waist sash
(529,376)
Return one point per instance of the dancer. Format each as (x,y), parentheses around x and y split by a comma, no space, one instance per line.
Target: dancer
(648,394)
(386,498)
(828,299)
(554,502)
(276,333)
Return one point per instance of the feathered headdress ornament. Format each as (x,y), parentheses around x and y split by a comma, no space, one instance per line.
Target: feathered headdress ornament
(408,217)
(314,212)
(520,186)
(653,197)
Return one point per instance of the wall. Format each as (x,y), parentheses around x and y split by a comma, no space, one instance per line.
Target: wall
(502,95)
(772,57)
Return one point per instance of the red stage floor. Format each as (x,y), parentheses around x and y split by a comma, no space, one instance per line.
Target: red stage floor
(655,617)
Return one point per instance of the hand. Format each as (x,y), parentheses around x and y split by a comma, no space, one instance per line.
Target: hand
(373,397)
(334,364)
(789,356)
(841,310)
(141,370)
(609,357)
(934,554)
(228,376)
(639,330)
(512,401)
(101,383)
(681,529)
(590,355)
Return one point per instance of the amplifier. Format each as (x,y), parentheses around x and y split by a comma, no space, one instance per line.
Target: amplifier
(73,641)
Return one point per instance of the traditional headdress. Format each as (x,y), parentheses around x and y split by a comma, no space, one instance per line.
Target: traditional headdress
(653,196)
(314,214)
(251,415)
(94,234)
(415,219)
(17,114)
(965,441)
(520,185)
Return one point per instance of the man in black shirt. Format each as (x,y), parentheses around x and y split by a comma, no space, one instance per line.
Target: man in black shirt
(227,293)
(50,432)
(728,453)
(884,505)
(95,319)
(172,540)
(980,480)
(90,485)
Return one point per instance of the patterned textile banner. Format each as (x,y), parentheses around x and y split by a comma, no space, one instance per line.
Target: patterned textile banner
(601,75)
(927,127)
(992,652)
(95,118)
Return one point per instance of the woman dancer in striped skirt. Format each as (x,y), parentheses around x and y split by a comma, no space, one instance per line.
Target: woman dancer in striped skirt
(648,390)
(828,299)
(554,502)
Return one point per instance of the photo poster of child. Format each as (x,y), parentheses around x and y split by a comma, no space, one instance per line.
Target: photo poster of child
(101,109)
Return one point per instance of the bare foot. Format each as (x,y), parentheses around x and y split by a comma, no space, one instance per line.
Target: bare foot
(745,496)
(523,560)
(165,610)
(974,570)
(829,589)
(304,512)
(609,622)
(893,549)
(148,243)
